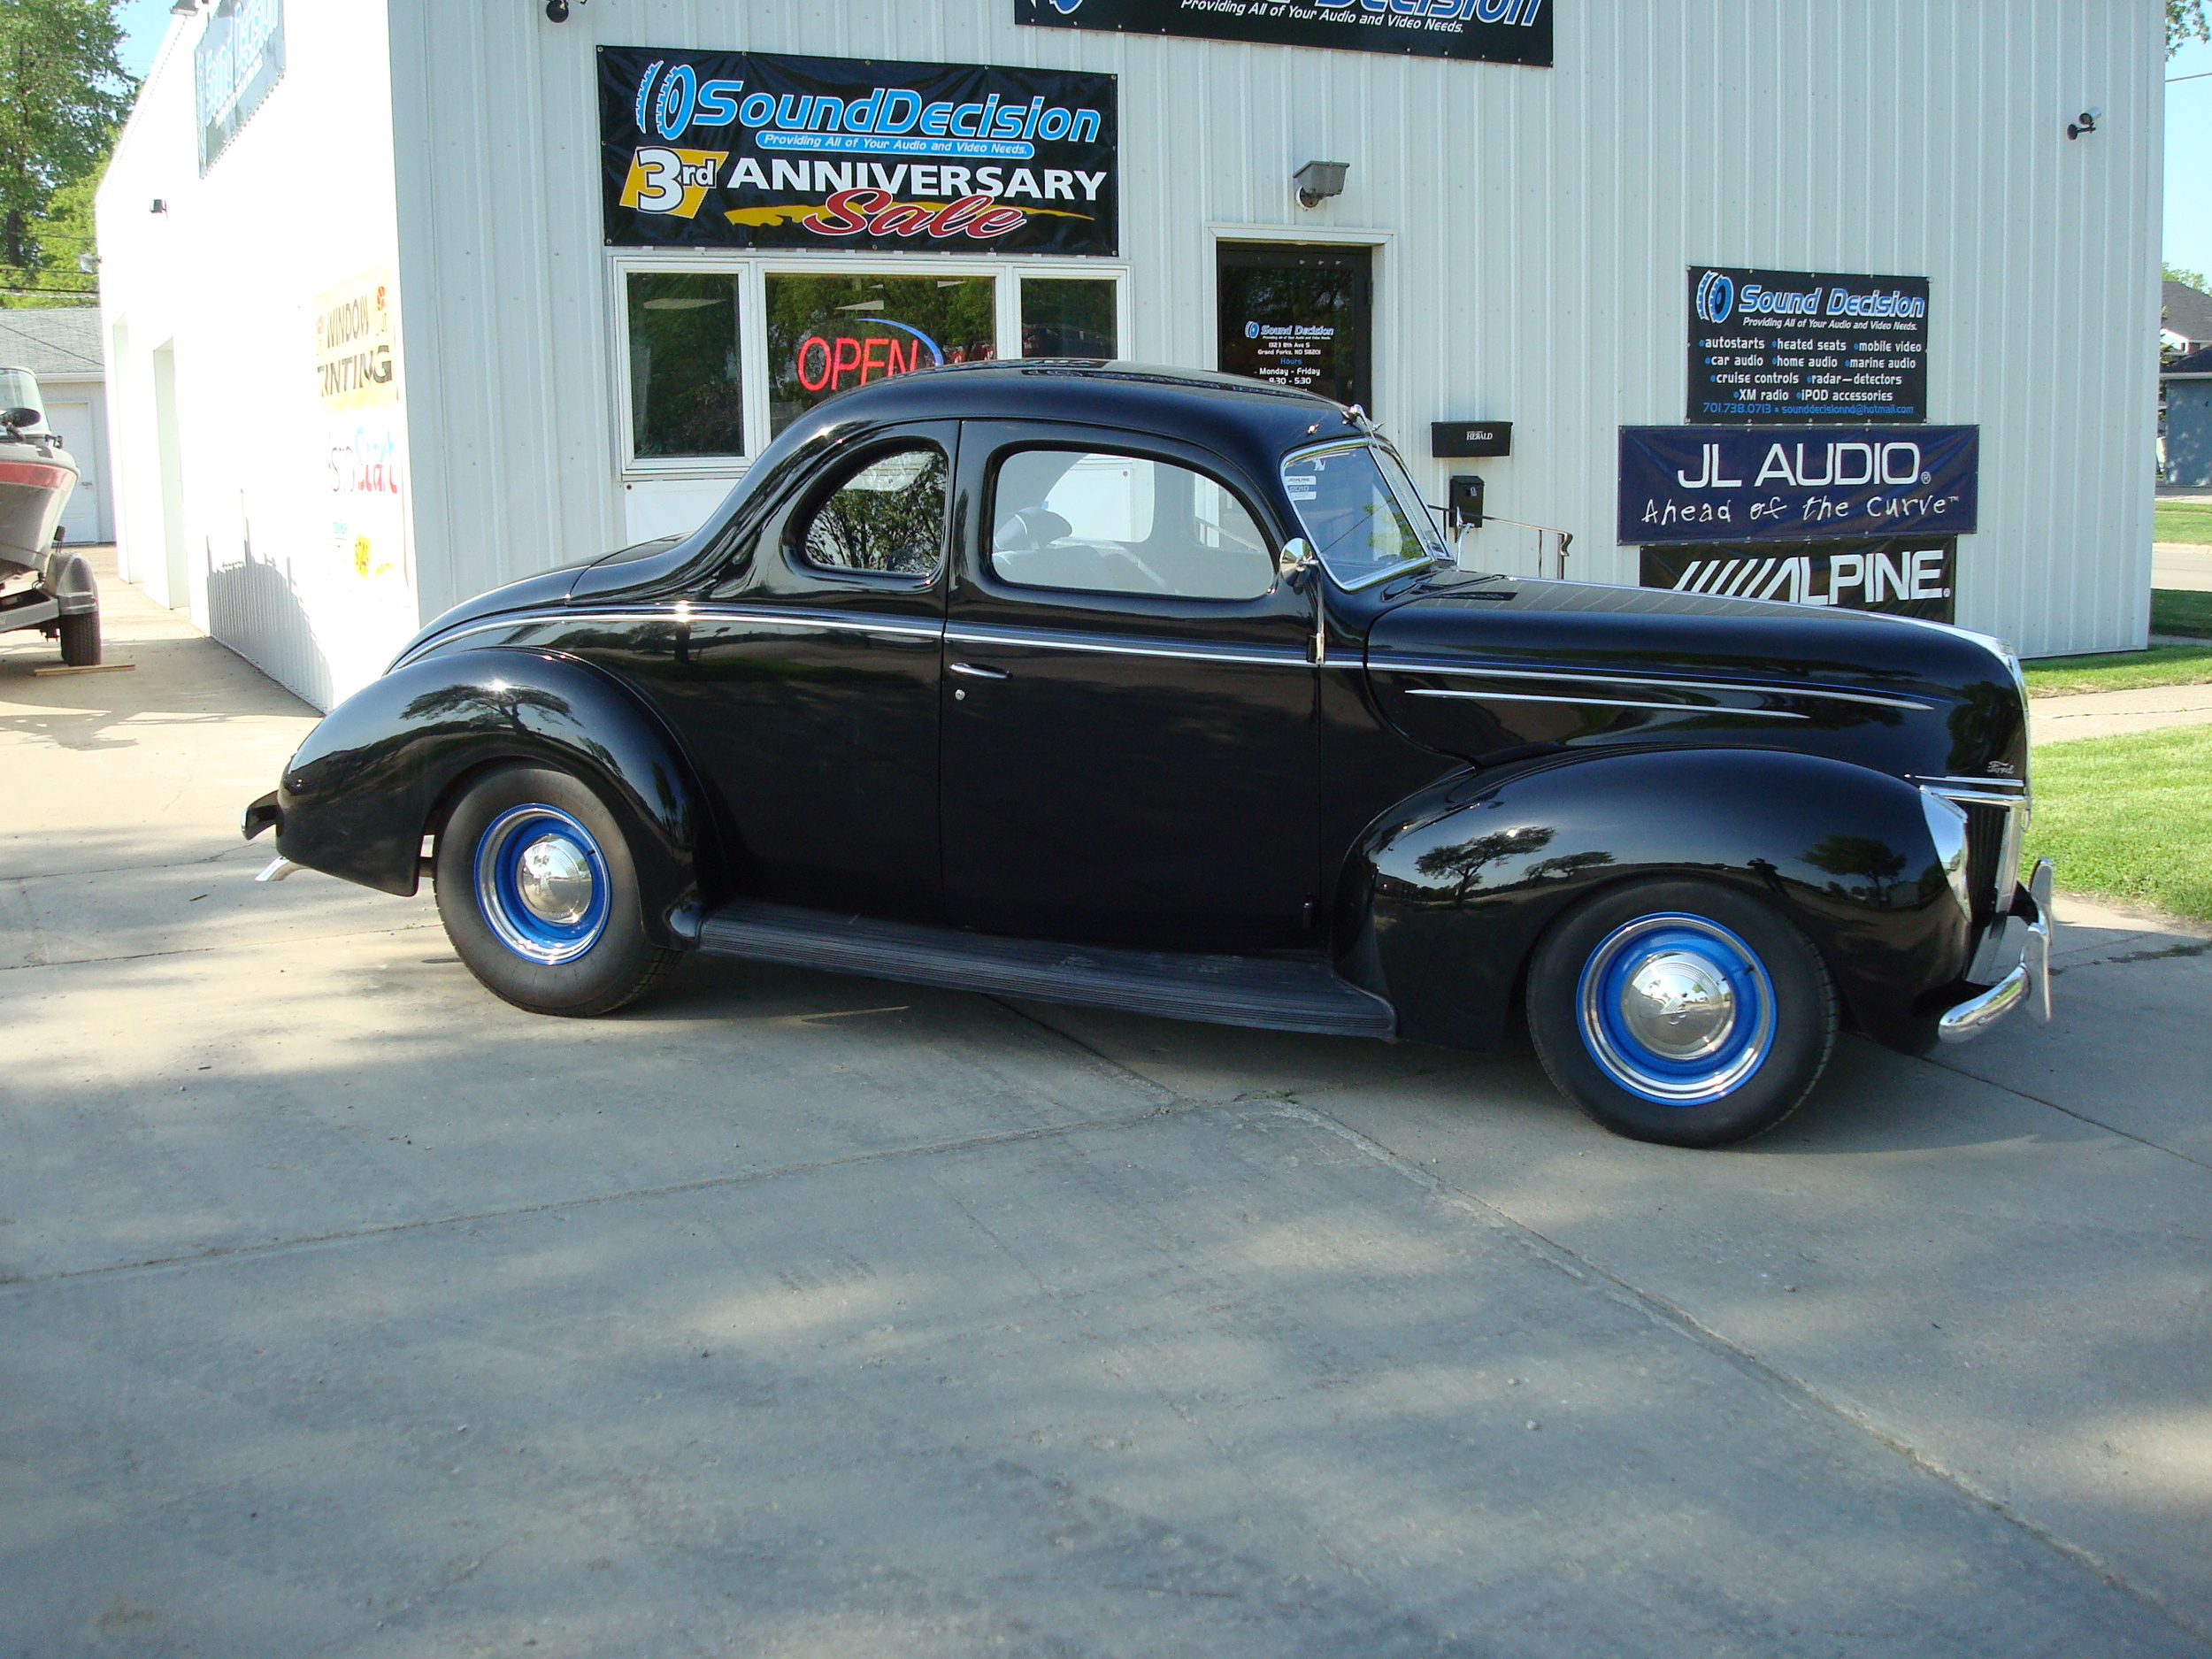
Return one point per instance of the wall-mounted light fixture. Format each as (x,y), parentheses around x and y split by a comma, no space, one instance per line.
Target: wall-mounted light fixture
(1318,180)
(2086,122)
(183,8)
(557,10)
(160,207)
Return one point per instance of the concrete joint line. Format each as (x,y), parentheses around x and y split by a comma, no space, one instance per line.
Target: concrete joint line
(1122,1120)
(197,950)
(1680,1322)
(2065,1111)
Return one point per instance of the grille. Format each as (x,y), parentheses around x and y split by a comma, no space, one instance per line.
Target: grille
(1989,836)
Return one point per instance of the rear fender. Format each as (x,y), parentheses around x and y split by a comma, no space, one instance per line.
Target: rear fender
(382,768)
(1449,892)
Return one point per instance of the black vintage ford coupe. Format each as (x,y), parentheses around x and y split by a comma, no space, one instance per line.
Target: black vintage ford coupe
(1097,683)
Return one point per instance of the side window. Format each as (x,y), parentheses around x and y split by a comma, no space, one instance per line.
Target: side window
(1119,524)
(889,516)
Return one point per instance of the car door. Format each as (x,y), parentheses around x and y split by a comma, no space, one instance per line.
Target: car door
(1131,742)
(803,679)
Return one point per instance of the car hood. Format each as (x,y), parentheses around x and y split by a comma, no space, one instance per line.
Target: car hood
(1504,668)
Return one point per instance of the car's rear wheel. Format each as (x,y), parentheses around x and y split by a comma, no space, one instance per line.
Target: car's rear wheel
(1681,1011)
(80,639)
(539,895)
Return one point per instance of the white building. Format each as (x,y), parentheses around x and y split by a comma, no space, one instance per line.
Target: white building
(403,300)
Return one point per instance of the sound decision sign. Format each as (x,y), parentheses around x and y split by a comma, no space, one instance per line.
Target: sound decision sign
(743,149)
(1495,31)
(1806,345)
(1726,484)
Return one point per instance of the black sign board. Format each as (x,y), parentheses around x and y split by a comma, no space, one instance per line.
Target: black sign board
(1449,439)
(1301,317)
(743,149)
(1798,346)
(1689,484)
(1905,576)
(1494,31)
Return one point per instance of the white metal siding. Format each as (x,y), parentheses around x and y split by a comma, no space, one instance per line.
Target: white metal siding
(226,280)
(1534,228)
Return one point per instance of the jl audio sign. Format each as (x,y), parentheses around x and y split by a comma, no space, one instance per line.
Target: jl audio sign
(1731,484)
(1498,31)
(1806,345)
(743,149)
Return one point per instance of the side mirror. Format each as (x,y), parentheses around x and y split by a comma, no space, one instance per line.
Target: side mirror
(17,419)
(1297,558)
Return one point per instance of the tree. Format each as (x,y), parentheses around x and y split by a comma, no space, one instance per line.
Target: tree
(63,92)
(2192,278)
(2185,21)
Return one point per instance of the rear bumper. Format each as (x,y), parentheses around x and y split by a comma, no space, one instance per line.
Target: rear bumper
(2014,960)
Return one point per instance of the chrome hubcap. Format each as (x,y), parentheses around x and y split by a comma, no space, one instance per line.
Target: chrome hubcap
(1678,1005)
(553,878)
(1677,1008)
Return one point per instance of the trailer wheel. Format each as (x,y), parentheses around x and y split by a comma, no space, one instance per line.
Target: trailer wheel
(80,639)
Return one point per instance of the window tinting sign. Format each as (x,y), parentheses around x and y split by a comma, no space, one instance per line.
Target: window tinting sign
(1796,346)
(746,149)
(1686,484)
(1297,317)
(1495,31)
(1903,576)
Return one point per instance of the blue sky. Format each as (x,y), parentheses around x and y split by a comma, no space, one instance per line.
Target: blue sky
(2188,133)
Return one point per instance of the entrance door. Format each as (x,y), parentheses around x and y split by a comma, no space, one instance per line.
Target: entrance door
(1130,751)
(1302,317)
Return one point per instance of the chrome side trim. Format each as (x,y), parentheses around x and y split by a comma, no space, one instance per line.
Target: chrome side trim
(1947,784)
(1121,646)
(837,622)
(1615,702)
(277,869)
(2037,958)
(1978,1014)
(1416,665)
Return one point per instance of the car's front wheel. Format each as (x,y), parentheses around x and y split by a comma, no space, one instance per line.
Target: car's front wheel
(539,896)
(1681,1011)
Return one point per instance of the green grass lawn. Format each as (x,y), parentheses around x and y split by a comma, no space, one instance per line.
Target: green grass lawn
(2128,817)
(2121,671)
(2181,610)
(2182,521)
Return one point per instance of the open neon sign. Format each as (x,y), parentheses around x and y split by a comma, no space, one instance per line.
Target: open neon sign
(821,362)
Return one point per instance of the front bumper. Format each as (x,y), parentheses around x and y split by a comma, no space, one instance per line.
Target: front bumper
(2015,953)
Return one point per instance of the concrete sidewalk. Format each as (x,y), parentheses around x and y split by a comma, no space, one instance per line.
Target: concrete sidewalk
(344,1309)
(2112,713)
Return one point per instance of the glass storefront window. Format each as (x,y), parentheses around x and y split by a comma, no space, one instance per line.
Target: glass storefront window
(685,397)
(828,334)
(1068,317)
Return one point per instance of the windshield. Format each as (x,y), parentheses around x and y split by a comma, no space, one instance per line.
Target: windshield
(18,389)
(1361,512)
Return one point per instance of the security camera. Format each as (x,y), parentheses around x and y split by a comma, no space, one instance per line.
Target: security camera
(2086,122)
(557,10)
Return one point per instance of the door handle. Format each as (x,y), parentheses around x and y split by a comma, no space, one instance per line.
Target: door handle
(977,670)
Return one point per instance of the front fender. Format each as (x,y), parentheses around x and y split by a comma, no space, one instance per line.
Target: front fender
(1451,888)
(371,779)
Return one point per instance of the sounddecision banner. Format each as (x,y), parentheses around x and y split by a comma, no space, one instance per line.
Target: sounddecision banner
(1682,484)
(1900,576)
(1793,346)
(1494,31)
(745,150)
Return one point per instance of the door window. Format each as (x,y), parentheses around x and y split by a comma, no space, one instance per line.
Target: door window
(685,398)
(1093,522)
(887,516)
(1299,317)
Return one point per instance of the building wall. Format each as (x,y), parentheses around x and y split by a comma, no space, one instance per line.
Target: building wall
(1535,226)
(224,498)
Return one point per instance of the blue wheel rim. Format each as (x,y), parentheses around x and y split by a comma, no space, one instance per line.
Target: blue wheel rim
(1676,1009)
(542,884)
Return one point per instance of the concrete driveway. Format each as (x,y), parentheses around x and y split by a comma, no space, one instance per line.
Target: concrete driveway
(344,1309)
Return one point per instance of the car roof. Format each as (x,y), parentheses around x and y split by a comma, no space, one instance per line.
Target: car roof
(1224,413)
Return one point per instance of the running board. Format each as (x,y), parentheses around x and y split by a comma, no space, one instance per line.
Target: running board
(1271,992)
